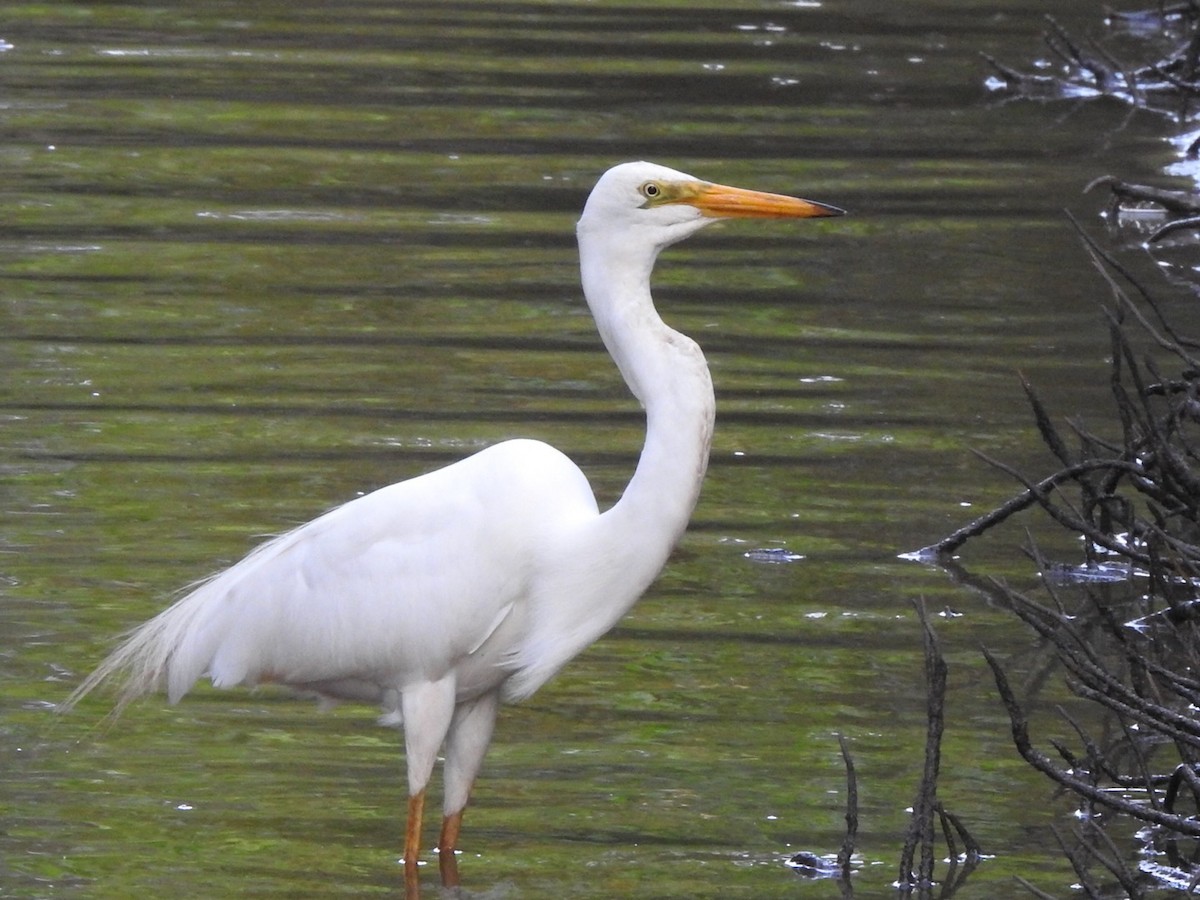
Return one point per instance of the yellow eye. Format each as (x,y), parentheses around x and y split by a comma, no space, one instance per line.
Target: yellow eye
(651,190)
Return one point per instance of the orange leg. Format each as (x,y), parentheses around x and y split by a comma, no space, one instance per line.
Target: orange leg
(412,843)
(412,884)
(447,859)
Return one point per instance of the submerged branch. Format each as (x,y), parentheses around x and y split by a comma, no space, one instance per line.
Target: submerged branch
(1041,762)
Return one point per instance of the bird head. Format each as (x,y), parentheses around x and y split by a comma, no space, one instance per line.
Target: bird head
(668,205)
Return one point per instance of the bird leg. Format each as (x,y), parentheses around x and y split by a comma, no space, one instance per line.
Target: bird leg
(447,858)
(427,709)
(412,841)
(466,742)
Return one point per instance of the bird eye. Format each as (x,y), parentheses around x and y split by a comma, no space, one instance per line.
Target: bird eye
(651,191)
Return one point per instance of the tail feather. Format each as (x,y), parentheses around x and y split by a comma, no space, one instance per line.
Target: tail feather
(148,658)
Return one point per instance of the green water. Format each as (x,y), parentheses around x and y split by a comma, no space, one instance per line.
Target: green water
(258,258)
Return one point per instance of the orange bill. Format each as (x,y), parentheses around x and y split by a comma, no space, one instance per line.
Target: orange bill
(721,201)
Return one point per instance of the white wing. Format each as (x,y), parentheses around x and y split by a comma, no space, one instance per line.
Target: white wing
(396,587)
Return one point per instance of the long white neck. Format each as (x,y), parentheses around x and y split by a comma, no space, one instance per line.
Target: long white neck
(622,551)
(667,372)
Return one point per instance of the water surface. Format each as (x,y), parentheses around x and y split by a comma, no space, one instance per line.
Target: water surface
(258,259)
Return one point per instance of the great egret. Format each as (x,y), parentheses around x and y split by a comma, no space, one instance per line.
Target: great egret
(442,596)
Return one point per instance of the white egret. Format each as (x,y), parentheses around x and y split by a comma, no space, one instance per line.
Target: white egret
(440,597)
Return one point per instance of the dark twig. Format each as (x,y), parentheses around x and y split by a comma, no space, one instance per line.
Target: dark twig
(847,852)
(1078,861)
(1033,495)
(920,829)
(1037,892)
(1173,201)
(1171,227)
(972,851)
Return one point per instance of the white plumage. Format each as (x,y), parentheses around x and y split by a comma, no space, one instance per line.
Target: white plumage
(440,596)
